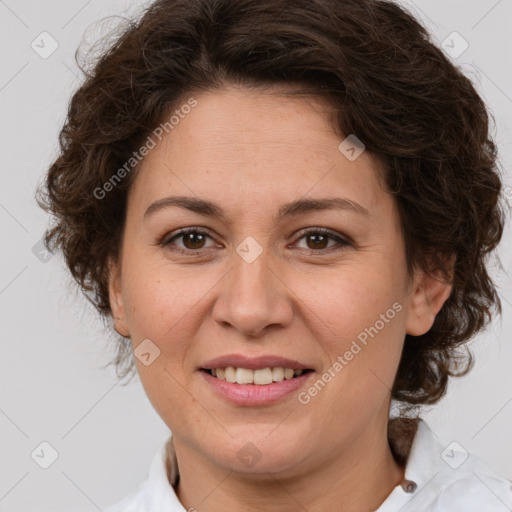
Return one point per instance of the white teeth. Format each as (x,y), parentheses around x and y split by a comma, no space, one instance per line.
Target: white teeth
(244,376)
(230,374)
(263,376)
(259,377)
(278,374)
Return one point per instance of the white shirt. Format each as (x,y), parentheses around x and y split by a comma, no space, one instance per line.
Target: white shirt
(437,479)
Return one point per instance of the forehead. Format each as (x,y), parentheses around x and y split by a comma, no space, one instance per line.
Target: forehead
(247,147)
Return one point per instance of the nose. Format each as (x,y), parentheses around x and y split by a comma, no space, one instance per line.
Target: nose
(253,297)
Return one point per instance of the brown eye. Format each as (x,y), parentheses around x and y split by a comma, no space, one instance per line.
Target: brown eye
(192,240)
(318,239)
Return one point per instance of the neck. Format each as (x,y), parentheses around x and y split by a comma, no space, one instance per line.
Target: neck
(360,479)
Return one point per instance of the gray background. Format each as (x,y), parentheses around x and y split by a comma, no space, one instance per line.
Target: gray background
(52,345)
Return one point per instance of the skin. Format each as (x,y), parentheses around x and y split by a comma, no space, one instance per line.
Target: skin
(250,151)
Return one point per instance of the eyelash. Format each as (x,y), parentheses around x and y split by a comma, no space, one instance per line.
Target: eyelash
(166,242)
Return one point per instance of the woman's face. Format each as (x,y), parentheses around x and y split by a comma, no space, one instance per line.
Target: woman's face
(253,283)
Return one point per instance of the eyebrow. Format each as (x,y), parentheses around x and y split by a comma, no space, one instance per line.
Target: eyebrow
(295,208)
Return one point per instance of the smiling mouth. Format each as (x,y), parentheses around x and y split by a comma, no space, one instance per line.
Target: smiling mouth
(260,377)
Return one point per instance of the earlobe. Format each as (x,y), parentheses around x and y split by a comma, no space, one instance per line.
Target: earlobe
(116,300)
(429,294)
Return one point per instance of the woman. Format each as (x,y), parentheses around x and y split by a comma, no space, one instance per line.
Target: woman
(286,209)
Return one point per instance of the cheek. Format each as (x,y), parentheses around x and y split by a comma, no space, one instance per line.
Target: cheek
(349,300)
(168,305)
(156,296)
(358,321)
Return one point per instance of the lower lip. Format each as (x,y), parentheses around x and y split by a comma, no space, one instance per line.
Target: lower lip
(255,394)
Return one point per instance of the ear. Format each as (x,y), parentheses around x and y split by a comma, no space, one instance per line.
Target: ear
(429,292)
(116,298)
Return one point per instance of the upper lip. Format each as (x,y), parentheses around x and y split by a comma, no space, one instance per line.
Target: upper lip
(253,363)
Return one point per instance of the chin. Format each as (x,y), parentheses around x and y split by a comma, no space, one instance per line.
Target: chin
(255,452)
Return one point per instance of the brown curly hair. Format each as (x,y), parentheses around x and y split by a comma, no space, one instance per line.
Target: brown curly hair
(386,81)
